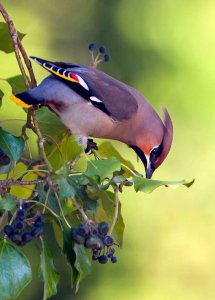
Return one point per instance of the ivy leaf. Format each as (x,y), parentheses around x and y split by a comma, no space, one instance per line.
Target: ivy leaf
(17,84)
(15,272)
(5,38)
(8,203)
(11,145)
(50,124)
(106,149)
(82,264)
(66,189)
(47,272)
(103,168)
(68,245)
(148,185)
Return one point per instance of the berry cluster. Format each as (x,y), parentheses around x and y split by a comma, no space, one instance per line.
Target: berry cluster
(24,229)
(96,239)
(101,50)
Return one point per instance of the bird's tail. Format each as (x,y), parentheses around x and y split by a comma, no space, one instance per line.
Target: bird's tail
(25,99)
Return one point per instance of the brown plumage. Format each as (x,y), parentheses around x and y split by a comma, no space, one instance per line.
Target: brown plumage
(91,103)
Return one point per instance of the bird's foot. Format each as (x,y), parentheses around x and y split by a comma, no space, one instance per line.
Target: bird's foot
(91,145)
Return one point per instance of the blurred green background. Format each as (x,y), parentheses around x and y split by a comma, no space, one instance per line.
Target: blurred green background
(165,49)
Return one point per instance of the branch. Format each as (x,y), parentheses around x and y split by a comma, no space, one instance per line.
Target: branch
(80,209)
(15,39)
(116,210)
(9,182)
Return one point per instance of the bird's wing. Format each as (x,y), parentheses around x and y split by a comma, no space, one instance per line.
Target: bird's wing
(106,93)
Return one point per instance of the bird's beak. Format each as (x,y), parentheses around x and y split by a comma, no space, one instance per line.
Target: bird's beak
(149,168)
(149,172)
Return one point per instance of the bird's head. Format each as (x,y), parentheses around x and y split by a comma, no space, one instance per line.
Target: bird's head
(156,144)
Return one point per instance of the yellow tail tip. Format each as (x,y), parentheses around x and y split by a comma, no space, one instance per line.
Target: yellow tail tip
(19,102)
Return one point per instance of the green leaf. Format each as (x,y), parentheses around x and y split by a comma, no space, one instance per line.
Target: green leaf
(66,189)
(103,168)
(68,250)
(148,185)
(17,84)
(15,272)
(48,272)
(8,203)
(5,38)
(50,124)
(11,145)
(106,149)
(82,264)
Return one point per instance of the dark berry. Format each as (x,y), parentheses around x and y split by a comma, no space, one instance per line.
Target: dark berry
(106,57)
(27,237)
(102,49)
(103,228)
(25,205)
(16,238)
(19,225)
(20,214)
(94,242)
(91,46)
(37,231)
(108,241)
(8,230)
(38,217)
(110,252)
(113,259)
(83,229)
(103,259)
(77,238)
(38,224)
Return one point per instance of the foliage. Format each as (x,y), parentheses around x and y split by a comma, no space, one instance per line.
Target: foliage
(62,183)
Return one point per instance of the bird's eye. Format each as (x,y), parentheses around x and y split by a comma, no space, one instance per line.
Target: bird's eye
(155,151)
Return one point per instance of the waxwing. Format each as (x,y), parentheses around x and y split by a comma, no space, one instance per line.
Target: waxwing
(91,103)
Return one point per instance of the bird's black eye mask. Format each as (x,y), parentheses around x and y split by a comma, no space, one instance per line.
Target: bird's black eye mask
(155,153)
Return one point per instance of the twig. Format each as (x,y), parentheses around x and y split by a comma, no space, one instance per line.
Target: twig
(80,209)
(10,182)
(61,209)
(15,38)
(116,210)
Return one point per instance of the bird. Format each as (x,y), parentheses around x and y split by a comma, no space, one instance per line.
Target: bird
(93,104)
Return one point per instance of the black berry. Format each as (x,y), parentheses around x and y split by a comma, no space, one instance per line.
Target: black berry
(27,237)
(83,229)
(91,46)
(77,238)
(94,242)
(106,57)
(19,224)
(25,205)
(108,241)
(110,252)
(113,259)
(8,230)
(16,238)
(103,228)
(103,259)
(102,49)
(20,214)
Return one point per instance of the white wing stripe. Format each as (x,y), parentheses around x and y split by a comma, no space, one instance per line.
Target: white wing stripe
(94,99)
(82,83)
